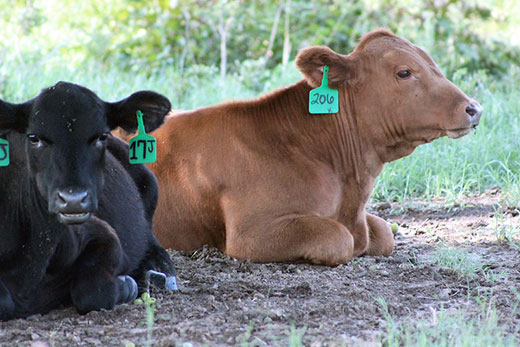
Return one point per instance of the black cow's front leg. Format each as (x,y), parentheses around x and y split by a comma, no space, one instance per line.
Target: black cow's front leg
(156,268)
(96,284)
(6,303)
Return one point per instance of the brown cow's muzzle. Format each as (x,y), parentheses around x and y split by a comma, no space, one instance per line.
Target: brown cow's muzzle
(473,112)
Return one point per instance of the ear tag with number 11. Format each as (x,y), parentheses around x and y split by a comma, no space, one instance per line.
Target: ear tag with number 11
(143,147)
(323,99)
(4,152)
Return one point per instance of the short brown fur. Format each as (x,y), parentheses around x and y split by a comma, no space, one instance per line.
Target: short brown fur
(265,180)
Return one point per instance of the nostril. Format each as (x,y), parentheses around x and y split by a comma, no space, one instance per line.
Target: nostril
(61,198)
(474,110)
(471,110)
(82,196)
(84,200)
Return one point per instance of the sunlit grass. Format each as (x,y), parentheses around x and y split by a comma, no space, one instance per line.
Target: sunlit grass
(459,260)
(448,328)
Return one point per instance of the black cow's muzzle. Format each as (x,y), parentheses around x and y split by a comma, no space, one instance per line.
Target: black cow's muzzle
(73,206)
(74,218)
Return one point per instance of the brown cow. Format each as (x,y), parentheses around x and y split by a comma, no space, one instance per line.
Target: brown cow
(266,180)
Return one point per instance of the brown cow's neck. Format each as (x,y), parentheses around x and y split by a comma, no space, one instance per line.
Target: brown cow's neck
(332,138)
(388,139)
(388,135)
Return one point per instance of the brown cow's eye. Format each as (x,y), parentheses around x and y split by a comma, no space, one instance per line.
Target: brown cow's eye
(404,74)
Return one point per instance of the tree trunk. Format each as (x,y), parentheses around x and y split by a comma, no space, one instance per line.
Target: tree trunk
(223,29)
(186,41)
(269,52)
(286,35)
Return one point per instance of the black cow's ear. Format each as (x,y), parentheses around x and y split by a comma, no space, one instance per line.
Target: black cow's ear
(154,107)
(14,116)
(310,62)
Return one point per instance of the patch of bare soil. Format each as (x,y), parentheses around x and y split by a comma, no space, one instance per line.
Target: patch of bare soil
(224,302)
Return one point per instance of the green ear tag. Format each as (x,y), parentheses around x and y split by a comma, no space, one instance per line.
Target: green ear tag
(324,99)
(4,152)
(143,146)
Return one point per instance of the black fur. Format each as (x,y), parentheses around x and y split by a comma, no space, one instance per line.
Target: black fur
(79,248)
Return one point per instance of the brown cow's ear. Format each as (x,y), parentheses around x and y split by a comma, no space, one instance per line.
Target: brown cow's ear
(310,62)
(14,116)
(154,107)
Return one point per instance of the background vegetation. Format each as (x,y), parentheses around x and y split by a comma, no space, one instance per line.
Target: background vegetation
(200,52)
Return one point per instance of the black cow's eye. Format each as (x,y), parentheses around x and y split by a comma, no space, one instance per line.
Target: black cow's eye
(404,74)
(99,141)
(35,140)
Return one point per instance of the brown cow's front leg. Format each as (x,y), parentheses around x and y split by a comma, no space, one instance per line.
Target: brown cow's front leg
(381,236)
(311,238)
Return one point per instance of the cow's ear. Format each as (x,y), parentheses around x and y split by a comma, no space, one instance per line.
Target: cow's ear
(154,107)
(310,62)
(14,116)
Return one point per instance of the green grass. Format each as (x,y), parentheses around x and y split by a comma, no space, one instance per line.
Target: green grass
(247,335)
(199,86)
(448,328)
(489,157)
(459,260)
(296,336)
(149,303)
(505,231)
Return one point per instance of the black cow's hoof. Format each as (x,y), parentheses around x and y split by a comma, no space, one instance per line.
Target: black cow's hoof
(7,307)
(128,289)
(171,283)
(160,280)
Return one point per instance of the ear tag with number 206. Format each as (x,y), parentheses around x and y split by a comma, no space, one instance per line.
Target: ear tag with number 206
(4,152)
(143,147)
(323,99)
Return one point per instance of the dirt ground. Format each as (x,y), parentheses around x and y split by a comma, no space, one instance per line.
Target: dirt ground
(224,302)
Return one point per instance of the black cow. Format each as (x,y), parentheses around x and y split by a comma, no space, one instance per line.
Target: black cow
(75,216)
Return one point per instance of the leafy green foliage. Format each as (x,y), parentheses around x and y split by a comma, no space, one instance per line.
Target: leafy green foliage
(150,35)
